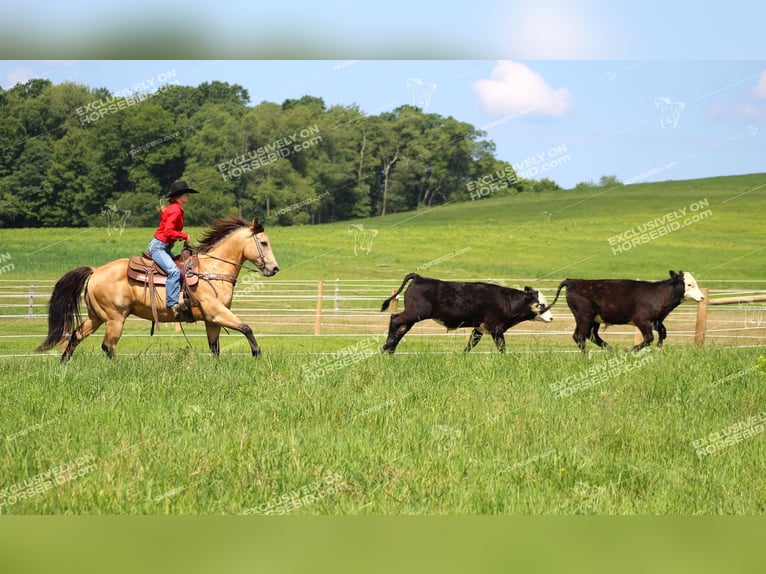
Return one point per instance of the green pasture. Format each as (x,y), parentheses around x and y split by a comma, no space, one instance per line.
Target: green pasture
(530,432)
(544,235)
(326,425)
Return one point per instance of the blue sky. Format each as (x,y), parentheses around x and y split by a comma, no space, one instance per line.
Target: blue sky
(645,91)
(571,120)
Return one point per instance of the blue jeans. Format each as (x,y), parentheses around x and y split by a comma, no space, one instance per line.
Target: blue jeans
(162,256)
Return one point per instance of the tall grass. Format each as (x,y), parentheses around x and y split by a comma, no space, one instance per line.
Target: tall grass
(424,433)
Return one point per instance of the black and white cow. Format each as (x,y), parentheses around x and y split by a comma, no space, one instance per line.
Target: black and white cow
(488,308)
(644,304)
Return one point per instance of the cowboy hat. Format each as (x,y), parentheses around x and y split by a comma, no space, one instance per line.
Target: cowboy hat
(179,188)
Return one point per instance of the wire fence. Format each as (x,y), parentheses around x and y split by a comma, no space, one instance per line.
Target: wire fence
(351,308)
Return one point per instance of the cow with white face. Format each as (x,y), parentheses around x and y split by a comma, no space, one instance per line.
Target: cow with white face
(490,309)
(542,305)
(691,290)
(645,304)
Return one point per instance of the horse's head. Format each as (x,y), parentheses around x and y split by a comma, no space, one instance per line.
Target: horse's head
(259,250)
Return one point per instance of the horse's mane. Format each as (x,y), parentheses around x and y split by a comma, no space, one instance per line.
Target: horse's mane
(221,228)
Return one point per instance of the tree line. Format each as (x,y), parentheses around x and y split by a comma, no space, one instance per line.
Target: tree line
(69,152)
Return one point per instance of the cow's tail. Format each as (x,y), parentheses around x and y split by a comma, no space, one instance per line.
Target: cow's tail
(387,302)
(564,283)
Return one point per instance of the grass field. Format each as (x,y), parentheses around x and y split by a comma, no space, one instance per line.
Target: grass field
(550,235)
(369,434)
(326,425)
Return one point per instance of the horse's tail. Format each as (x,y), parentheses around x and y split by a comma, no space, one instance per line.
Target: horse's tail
(64,306)
(387,302)
(564,283)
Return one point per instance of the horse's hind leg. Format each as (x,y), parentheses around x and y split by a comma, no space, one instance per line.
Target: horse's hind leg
(213,334)
(90,324)
(112,336)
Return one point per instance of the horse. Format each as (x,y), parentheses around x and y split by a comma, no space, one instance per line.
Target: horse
(110,295)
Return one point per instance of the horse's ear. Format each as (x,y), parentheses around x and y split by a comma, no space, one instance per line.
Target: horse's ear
(256,226)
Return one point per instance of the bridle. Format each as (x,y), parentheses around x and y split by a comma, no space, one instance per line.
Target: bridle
(239,266)
(262,266)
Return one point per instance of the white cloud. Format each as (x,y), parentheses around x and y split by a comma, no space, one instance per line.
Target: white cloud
(515,89)
(738,112)
(18,75)
(557,30)
(759,91)
(751,113)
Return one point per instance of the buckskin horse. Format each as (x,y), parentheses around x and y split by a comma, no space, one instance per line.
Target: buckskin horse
(110,295)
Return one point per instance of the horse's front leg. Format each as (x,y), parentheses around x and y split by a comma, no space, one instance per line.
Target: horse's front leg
(220,316)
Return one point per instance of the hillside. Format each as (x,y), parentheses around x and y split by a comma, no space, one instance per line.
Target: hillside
(712,227)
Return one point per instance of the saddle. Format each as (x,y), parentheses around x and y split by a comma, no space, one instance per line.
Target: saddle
(144,270)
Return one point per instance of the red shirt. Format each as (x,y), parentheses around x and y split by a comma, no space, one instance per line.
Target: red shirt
(171,224)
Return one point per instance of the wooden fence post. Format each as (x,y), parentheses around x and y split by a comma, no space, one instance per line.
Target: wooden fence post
(318,319)
(32,302)
(638,337)
(701,324)
(394,302)
(336,301)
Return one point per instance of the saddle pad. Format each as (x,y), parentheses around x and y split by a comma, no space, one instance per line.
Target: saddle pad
(139,269)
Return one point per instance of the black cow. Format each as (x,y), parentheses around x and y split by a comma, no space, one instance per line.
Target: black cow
(488,308)
(644,304)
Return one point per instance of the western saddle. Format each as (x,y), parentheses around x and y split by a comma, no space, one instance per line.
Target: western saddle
(144,270)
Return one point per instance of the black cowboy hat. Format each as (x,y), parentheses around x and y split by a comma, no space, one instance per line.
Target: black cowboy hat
(179,188)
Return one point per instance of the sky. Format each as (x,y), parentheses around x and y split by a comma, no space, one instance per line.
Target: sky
(569,90)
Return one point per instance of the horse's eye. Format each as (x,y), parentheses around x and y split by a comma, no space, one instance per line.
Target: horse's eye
(264,243)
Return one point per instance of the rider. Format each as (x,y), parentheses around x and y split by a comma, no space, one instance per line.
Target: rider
(171,229)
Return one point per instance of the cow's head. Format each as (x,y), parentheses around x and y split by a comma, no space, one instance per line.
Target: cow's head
(691,290)
(539,302)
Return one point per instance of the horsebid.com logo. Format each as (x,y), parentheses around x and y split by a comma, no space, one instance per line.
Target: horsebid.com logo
(126,98)
(269,153)
(45,481)
(6,267)
(660,226)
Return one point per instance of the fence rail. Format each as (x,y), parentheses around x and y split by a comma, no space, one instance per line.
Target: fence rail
(352,307)
(700,330)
